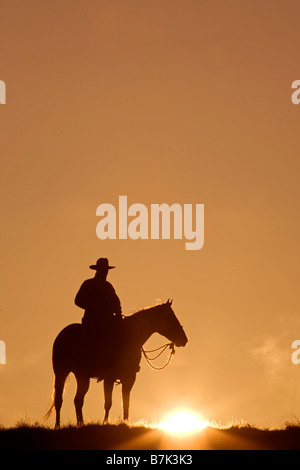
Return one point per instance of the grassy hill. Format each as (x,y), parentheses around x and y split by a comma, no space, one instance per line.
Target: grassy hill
(124,437)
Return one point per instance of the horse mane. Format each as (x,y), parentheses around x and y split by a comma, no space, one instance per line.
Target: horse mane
(137,312)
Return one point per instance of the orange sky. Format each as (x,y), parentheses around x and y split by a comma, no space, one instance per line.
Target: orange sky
(162,101)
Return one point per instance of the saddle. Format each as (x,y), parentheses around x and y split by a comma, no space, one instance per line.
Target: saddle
(101,347)
(105,350)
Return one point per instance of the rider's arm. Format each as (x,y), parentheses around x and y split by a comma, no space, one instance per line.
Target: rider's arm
(115,301)
(81,298)
(118,308)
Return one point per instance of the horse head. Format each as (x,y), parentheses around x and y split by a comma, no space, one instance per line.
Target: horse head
(169,325)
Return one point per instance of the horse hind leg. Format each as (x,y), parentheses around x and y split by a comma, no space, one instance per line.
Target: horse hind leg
(60,378)
(83,384)
(108,389)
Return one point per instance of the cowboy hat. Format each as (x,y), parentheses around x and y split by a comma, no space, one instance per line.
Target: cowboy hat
(102,263)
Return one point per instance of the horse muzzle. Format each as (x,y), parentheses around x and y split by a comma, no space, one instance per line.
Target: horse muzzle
(181,342)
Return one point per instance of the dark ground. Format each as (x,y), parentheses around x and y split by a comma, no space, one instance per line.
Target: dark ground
(124,437)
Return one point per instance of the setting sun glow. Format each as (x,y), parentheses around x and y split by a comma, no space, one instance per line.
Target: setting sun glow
(183,421)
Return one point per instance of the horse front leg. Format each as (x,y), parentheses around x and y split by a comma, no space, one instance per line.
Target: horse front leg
(108,389)
(127,385)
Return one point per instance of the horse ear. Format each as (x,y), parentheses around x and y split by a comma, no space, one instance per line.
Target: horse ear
(169,302)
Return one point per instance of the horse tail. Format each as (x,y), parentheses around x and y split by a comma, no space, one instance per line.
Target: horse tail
(57,394)
(49,412)
(52,405)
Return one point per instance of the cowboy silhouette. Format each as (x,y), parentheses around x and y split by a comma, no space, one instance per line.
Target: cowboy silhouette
(98,298)
(101,320)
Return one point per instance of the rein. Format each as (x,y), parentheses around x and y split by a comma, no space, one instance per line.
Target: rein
(163,348)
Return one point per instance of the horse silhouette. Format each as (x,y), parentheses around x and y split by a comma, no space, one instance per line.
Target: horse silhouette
(119,363)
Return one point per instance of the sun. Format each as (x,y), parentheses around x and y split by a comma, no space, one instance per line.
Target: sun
(183,421)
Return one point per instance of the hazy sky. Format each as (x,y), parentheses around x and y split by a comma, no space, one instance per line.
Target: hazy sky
(163,101)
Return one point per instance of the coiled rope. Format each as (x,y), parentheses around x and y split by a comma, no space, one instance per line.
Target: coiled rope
(162,348)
